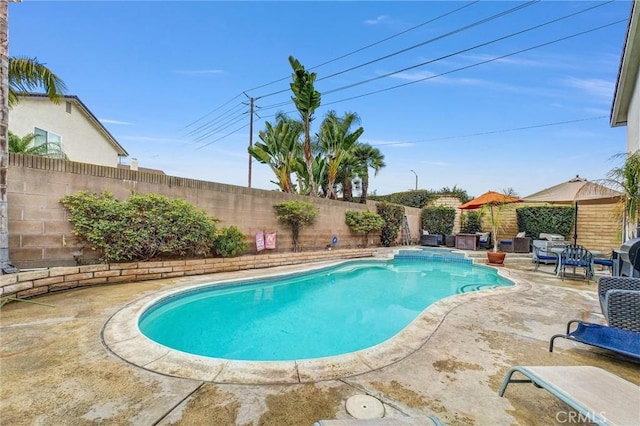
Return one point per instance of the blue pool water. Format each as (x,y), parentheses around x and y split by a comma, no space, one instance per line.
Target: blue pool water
(323,313)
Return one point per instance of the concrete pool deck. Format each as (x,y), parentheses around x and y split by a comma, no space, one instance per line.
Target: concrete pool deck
(55,368)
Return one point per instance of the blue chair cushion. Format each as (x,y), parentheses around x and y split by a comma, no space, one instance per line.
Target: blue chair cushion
(603,262)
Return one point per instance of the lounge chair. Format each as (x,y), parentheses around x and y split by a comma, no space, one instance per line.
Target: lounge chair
(625,342)
(387,421)
(594,393)
(575,256)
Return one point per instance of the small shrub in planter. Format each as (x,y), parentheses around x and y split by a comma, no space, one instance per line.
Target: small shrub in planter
(363,223)
(230,242)
(297,214)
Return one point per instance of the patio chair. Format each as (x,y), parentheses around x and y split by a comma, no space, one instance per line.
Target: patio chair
(628,312)
(542,256)
(619,340)
(427,239)
(599,396)
(576,256)
(485,241)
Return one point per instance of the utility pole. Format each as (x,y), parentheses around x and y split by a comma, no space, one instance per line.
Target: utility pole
(250,136)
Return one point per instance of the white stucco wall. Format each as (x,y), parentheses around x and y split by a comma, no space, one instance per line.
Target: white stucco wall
(82,140)
(633,119)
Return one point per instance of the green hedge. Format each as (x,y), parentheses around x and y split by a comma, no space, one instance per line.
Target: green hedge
(421,197)
(438,220)
(471,222)
(549,219)
(392,215)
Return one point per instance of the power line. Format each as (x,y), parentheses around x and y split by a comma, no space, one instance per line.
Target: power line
(214,110)
(464,67)
(398,52)
(477,46)
(478,63)
(492,132)
(208,124)
(372,44)
(222,137)
(219,128)
(450,55)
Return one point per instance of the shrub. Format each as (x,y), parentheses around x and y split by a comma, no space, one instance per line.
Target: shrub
(549,219)
(230,242)
(471,222)
(142,228)
(363,223)
(297,214)
(392,216)
(438,220)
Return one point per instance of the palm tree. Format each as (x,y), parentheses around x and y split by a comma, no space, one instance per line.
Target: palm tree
(279,149)
(18,74)
(346,175)
(367,157)
(24,145)
(337,140)
(28,74)
(626,179)
(306,100)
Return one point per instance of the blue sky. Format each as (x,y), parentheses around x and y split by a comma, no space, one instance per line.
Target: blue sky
(167,80)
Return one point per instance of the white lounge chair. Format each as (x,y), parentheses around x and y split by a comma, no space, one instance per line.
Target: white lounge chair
(387,421)
(601,397)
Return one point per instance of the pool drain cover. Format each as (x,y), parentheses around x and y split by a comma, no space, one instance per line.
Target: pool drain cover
(364,407)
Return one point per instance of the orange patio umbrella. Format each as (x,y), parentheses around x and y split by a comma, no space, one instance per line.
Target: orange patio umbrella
(490,198)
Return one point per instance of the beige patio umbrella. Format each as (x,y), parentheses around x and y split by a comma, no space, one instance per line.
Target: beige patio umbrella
(574,191)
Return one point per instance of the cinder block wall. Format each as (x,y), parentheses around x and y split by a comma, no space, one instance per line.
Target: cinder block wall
(41,236)
(451,202)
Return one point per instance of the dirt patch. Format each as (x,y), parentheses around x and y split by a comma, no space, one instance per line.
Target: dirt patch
(453,366)
(302,406)
(210,405)
(399,392)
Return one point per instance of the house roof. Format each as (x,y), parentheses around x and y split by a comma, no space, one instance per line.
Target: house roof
(71,98)
(628,71)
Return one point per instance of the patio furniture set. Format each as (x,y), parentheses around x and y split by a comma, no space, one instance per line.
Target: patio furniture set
(598,395)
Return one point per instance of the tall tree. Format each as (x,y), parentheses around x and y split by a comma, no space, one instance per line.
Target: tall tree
(337,139)
(367,157)
(26,79)
(279,149)
(306,100)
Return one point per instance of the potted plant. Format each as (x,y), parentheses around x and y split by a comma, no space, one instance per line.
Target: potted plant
(494,202)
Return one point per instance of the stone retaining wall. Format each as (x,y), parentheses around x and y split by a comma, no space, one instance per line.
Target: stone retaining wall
(37,282)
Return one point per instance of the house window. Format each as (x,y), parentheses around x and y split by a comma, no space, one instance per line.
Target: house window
(43,137)
(68,107)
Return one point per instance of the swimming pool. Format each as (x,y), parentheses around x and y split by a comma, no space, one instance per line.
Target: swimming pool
(328,312)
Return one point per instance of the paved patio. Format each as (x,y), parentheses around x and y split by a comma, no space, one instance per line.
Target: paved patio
(55,369)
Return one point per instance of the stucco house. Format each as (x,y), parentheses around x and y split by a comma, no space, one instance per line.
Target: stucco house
(626,100)
(70,124)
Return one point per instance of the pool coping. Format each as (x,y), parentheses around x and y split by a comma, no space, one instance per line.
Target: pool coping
(121,336)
